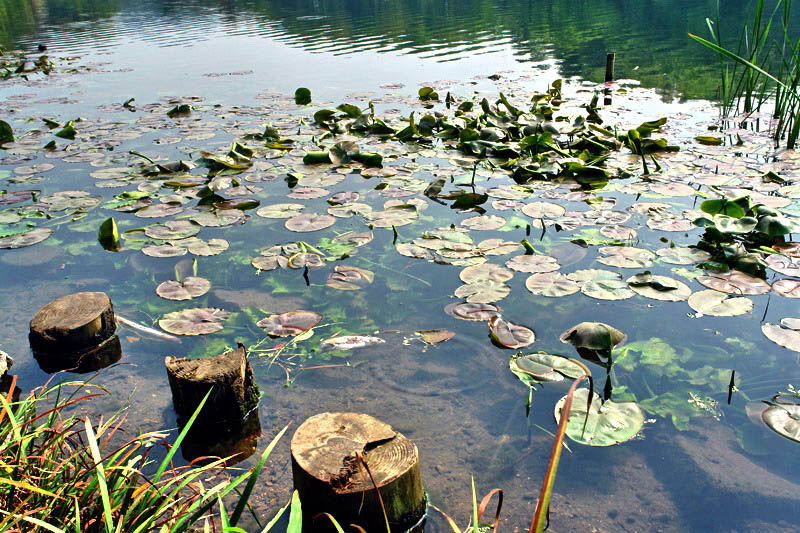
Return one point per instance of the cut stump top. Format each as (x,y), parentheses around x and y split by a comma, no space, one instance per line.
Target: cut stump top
(76,320)
(327,445)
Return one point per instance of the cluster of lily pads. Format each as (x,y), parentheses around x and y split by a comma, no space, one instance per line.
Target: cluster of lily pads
(533,186)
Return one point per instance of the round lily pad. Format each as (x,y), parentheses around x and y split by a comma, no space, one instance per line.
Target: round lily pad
(307,193)
(543,367)
(356,238)
(592,274)
(197,321)
(305,259)
(784,419)
(626,257)
(510,335)
(309,222)
(435,336)
(788,288)
(486,272)
(659,287)
(270,262)
(607,424)
(543,210)
(472,311)
(289,324)
(172,229)
(203,248)
(29,238)
(159,210)
(164,250)
(220,218)
(679,255)
(497,247)
(483,292)
(551,284)
(280,210)
(533,263)
(349,278)
(484,222)
(715,303)
(349,210)
(787,266)
(788,338)
(412,250)
(607,289)
(735,282)
(396,216)
(191,287)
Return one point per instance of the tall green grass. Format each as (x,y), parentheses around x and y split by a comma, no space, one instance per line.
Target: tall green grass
(64,473)
(764,67)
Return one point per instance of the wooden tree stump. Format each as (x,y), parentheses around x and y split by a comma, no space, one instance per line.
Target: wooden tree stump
(234,393)
(329,453)
(73,323)
(106,353)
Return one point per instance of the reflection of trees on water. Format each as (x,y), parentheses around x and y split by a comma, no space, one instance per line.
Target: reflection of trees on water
(648,34)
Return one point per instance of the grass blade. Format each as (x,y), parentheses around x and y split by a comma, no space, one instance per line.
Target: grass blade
(101,476)
(295,515)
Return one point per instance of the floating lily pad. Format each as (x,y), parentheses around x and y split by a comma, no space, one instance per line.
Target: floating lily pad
(203,248)
(486,272)
(784,419)
(787,266)
(533,263)
(307,193)
(191,287)
(543,367)
(715,303)
(355,238)
(484,222)
(159,210)
(551,284)
(172,229)
(592,274)
(164,250)
(735,282)
(607,424)
(29,238)
(309,222)
(350,342)
(197,321)
(435,336)
(280,210)
(791,323)
(349,278)
(788,288)
(483,292)
(396,216)
(219,218)
(305,259)
(70,200)
(543,210)
(659,287)
(349,210)
(270,262)
(289,324)
(472,311)
(626,257)
(607,289)
(412,250)
(788,338)
(497,247)
(510,335)
(682,255)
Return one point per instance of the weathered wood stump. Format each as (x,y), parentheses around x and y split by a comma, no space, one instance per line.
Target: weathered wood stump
(223,440)
(333,455)
(229,374)
(106,353)
(73,323)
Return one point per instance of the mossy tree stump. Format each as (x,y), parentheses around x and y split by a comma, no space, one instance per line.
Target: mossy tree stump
(329,454)
(75,332)
(234,393)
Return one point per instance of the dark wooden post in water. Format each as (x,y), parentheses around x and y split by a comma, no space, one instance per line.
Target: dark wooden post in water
(229,374)
(75,332)
(610,60)
(338,460)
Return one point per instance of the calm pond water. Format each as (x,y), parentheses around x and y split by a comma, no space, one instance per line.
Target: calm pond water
(699,463)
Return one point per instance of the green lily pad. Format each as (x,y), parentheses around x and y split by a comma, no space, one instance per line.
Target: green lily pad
(191,287)
(484,222)
(164,250)
(172,229)
(280,210)
(715,303)
(486,272)
(197,321)
(510,335)
(396,216)
(544,210)
(607,424)
(28,238)
(543,367)
(160,210)
(219,218)
(607,289)
(483,292)
(302,96)
(533,263)
(679,255)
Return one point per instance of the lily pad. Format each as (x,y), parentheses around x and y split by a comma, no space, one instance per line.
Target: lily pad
(484,292)
(788,288)
(191,287)
(197,321)
(788,338)
(350,342)
(270,262)
(607,289)
(280,210)
(626,257)
(543,367)
(289,324)
(472,311)
(396,216)
(159,210)
(309,222)
(787,266)
(551,284)
(679,255)
(607,424)
(784,419)
(172,229)
(510,335)
(484,222)
(735,282)
(29,238)
(349,278)
(543,210)
(486,272)
(219,218)
(659,287)
(164,250)
(715,303)
(435,336)
(533,263)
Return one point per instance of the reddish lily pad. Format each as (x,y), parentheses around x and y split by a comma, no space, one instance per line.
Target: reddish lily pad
(197,321)
(289,324)
(309,222)
(483,292)
(435,336)
(29,238)
(533,263)
(510,335)
(473,312)
(551,284)
(191,287)
(788,288)
(486,272)
(735,282)
(280,210)
(349,278)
